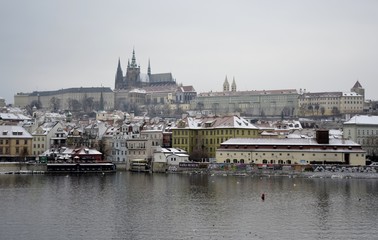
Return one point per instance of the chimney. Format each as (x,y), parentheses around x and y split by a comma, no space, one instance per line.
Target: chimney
(322,136)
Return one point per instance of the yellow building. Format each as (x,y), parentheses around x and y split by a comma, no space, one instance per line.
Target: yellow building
(15,143)
(204,135)
(291,151)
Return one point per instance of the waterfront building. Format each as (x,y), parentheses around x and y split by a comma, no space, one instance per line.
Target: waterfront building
(76,155)
(15,143)
(87,98)
(153,132)
(164,158)
(202,136)
(75,137)
(363,129)
(59,139)
(125,132)
(319,150)
(43,134)
(93,132)
(265,103)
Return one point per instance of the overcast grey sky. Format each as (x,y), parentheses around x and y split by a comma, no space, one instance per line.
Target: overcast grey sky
(318,45)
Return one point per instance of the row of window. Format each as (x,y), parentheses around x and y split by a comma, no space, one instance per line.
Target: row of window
(203,142)
(367,141)
(121,153)
(215,132)
(280,154)
(6,150)
(17,141)
(38,139)
(38,145)
(368,132)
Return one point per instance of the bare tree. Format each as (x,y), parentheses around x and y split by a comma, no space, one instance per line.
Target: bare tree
(55,104)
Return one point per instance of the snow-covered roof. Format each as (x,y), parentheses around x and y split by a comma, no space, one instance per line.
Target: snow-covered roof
(351,94)
(138,90)
(13,116)
(362,120)
(7,131)
(218,122)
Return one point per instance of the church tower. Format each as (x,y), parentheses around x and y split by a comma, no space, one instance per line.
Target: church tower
(226,85)
(119,76)
(233,86)
(132,78)
(149,68)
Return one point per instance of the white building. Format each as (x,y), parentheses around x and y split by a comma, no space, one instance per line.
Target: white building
(166,157)
(322,150)
(363,129)
(42,136)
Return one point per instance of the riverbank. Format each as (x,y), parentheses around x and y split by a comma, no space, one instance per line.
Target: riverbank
(228,170)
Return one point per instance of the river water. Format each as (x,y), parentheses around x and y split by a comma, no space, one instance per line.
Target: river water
(178,206)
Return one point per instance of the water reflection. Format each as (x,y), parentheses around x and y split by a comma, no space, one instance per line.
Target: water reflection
(168,206)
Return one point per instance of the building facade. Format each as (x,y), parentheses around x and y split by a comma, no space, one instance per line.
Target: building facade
(15,143)
(253,103)
(332,103)
(363,129)
(87,98)
(204,135)
(291,151)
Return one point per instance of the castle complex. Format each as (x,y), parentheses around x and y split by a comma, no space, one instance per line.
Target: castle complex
(159,92)
(135,79)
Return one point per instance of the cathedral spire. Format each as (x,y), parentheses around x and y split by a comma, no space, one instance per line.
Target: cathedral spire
(133,60)
(149,68)
(119,64)
(233,86)
(226,85)
(119,76)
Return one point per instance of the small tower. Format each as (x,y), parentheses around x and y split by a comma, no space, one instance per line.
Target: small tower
(357,88)
(233,85)
(226,85)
